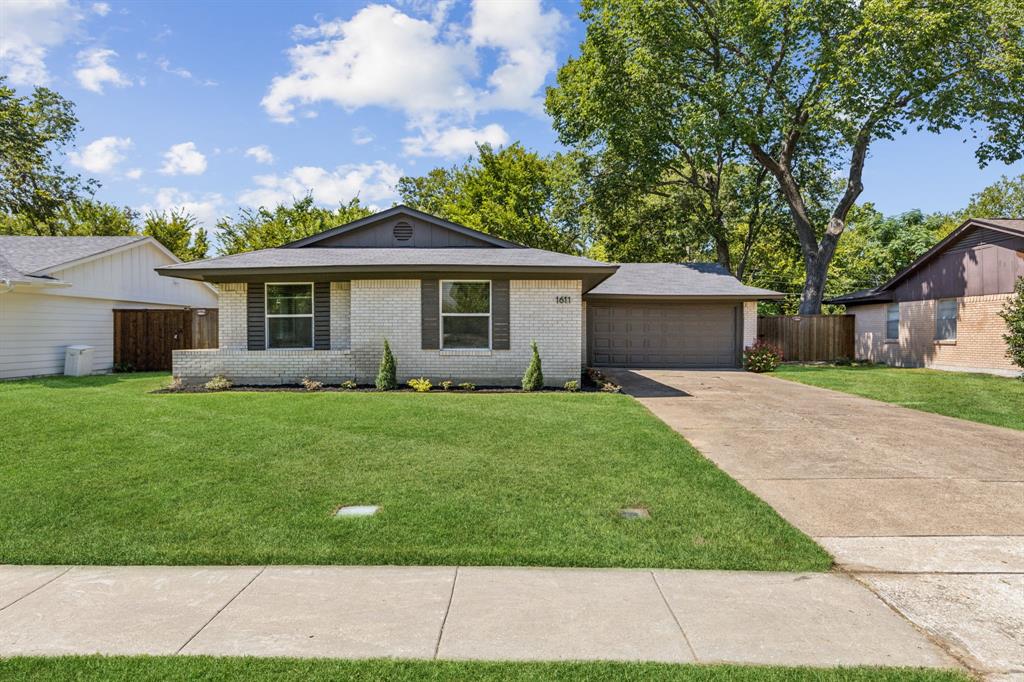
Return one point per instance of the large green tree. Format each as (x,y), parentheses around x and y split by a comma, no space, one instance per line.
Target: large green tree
(267,228)
(179,232)
(511,193)
(34,132)
(1002,199)
(802,86)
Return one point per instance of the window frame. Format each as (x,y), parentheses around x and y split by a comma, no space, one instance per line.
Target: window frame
(888,307)
(443,314)
(939,319)
(267,315)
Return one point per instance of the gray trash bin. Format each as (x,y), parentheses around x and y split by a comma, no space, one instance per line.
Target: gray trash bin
(78,360)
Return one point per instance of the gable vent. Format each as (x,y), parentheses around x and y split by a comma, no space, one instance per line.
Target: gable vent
(402,232)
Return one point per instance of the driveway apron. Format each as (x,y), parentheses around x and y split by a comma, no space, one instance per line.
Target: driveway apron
(926,510)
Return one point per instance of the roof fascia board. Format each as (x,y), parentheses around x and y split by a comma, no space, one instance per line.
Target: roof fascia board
(654,298)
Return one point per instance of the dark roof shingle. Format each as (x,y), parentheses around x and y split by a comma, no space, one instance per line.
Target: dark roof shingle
(677,280)
(32,254)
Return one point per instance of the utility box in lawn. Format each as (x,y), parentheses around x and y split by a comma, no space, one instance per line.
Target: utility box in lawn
(78,360)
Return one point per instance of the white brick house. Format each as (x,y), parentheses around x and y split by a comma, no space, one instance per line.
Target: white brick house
(455,304)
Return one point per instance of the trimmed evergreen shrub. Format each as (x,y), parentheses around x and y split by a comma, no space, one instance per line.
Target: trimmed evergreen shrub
(1013,313)
(387,375)
(533,380)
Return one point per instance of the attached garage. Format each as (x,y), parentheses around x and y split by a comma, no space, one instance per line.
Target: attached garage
(652,334)
(670,315)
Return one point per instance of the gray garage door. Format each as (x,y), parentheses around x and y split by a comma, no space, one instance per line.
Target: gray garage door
(633,334)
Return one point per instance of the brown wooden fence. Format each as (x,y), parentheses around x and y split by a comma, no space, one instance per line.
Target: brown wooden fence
(144,338)
(809,338)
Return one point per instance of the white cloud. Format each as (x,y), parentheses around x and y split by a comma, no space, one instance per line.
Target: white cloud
(207,208)
(369,181)
(452,142)
(184,159)
(361,135)
(101,8)
(95,70)
(100,156)
(261,153)
(379,57)
(526,37)
(28,30)
(166,67)
(133,173)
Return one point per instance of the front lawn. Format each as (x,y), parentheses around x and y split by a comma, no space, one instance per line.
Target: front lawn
(190,668)
(100,471)
(978,397)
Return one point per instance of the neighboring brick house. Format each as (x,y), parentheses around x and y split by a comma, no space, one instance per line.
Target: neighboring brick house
(457,304)
(943,310)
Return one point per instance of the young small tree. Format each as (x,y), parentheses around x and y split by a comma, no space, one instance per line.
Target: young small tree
(387,378)
(533,380)
(1013,313)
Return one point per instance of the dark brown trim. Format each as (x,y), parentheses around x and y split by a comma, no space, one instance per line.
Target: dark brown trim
(696,298)
(430,314)
(324,273)
(500,315)
(321,316)
(256,319)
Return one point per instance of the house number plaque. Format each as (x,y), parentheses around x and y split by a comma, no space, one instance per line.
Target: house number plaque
(563,299)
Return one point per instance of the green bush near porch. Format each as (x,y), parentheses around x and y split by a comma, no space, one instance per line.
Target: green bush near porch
(98,470)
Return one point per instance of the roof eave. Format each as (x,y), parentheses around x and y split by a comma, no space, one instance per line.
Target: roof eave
(240,274)
(772,296)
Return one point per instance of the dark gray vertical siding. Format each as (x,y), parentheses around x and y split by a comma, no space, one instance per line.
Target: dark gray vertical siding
(256,319)
(430,315)
(322,316)
(500,315)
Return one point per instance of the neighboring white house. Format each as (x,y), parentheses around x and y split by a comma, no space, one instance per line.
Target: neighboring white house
(62,291)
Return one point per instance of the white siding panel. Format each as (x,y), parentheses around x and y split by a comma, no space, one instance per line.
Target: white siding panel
(35,329)
(129,276)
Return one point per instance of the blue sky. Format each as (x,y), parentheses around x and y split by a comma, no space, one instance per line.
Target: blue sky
(214,105)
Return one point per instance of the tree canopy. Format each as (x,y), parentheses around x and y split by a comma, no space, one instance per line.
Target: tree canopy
(804,87)
(266,228)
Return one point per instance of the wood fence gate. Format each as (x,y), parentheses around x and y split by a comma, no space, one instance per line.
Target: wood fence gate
(809,338)
(144,338)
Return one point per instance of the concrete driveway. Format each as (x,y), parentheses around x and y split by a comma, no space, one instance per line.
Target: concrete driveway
(927,510)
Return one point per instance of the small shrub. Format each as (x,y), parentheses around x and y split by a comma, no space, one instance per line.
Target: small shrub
(447,385)
(218,383)
(176,384)
(761,357)
(572,386)
(598,378)
(421,385)
(610,387)
(387,379)
(1013,315)
(533,380)
(466,386)
(311,384)
(349,384)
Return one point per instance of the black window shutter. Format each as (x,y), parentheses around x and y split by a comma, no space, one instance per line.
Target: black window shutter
(322,316)
(500,315)
(430,315)
(256,319)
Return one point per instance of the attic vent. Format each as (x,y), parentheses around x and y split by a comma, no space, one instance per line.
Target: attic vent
(402,232)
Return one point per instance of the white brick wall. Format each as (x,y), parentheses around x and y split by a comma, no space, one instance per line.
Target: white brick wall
(749,323)
(390,309)
(231,325)
(341,315)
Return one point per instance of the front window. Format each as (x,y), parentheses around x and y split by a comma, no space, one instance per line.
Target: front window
(289,315)
(466,315)
(892,322)
(945,320)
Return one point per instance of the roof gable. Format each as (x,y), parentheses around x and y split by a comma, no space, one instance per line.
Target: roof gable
(38,255)
(402,227)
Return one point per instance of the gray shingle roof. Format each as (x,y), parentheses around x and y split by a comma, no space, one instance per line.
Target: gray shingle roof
(677,280)
(1015,224)
(369,258)
(32,254)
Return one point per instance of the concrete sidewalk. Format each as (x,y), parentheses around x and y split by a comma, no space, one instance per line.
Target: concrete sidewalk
(456,613)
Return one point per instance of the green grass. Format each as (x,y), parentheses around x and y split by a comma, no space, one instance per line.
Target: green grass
(282,669)
(977,397)
(99,470)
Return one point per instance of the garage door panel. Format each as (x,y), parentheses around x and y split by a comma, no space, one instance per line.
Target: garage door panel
(632,334)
